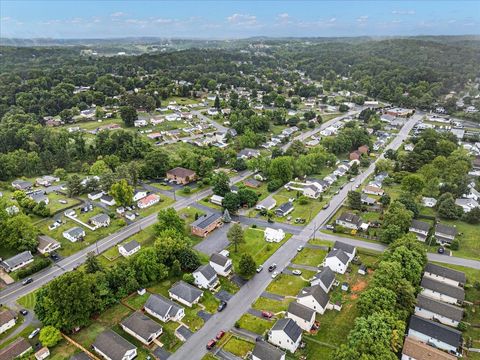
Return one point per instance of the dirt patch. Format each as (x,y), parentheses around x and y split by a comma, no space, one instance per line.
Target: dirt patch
(353,296)
(360,285)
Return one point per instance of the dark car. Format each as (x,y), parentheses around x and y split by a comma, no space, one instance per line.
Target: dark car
(27,281)
(222,306)
(23,312)
(272,267)
(211,344)
(54,256)
(441,250)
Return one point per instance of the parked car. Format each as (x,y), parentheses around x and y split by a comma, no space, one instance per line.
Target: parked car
(272,267)
(441,250)
(34,333)
(259,268)
(296,272)
(267,314)
(300,248)
(211,344)
(274,274)
(330,227)
(352,179)
(220,334)
(222,306)
(24,312)
(54,256)
(337,192)
(325,206)
(27,281)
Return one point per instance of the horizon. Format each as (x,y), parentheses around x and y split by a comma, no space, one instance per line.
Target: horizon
(215,20)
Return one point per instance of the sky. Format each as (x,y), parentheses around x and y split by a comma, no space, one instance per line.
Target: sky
(230,19)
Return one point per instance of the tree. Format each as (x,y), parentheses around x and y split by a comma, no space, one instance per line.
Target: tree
(92,265)
(100,168)
(410,204)
(385,200)
(216,103)
(247,197)
(18,232)
(220,184)
(49,336)
(122,193)
(397,214)
(169,219)
(447,209)
(390,234)
(353,169)
(247,266)
(377,299)
(413,184)
(231,202)
(128,115)
(74,185)
(188,278)
(226,217)
(343,108)
(156,164)
(473,216)
(147,267)
(235,235)
(189,259)
(354,200)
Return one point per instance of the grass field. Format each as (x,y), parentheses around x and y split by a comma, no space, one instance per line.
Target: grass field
(238,346)
(271,305)
(63,350)
(310,257)
(28,301)
(255,324)
(287,285)
(306,211)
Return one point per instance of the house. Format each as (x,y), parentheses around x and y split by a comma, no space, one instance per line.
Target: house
(429,202)
(355,155)
(100,220)
(185,293)
(183,333)
(420,229)
(367,200)
(349,221)
(7,320)
(248,154)
(325,279)
(205,277)
(217,200)
(130,216)
(445,234)
(128,249)
(140,123)
(43,353)
(303,316)
(16,262)
(141,327)
(313,297)
(46,244)
(372,190)
(286,334)
(284,209)
(401,112)
(16,349)
(432,309)
(163,309)
(362,269)
(363,149)
(348,249)
(22,185)
(435,334)
(39,196)
(265,351)
(442,291)
(337,260)
(205,224)
(252,183)
(266,204)
(221,264)
(445,275)
(312,191)
(148,201)
(46,180)
(417,350)
(409,147)
(112,346)
(96,195)
(467,204)
(139,194)
(107,200)
(74,234)
(273,235)
(181,175)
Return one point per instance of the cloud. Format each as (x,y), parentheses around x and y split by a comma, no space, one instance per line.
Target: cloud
(6,18)
(362,19)
(117,14)
(163,21)
(403,12)
(242,19)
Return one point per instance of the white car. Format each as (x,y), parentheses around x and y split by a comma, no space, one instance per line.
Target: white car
(274,274)
(296,272)
(34,333)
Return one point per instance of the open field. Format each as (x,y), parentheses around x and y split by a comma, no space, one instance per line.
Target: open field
(254,324)
(287,285)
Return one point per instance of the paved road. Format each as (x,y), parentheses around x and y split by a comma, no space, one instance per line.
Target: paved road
(218,126)
(12,292)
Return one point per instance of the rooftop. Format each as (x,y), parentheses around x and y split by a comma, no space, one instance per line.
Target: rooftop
(446,272)
(437,331)
(290,328)
(455,292)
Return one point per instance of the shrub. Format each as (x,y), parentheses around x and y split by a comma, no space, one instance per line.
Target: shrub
(254,226)
(455,245)
(36,266)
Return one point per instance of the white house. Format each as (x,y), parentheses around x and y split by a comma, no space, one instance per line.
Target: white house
(185,293)
(273,235)
(467,204)
(217,200)
(265,351)
(429,202)
(417,350)
(95,195)
(445,275)
(7,320)
(16,262)
(348,249)
(313,297)
(128,249)
(112,346)
(349,221)
(100,220)
(148,201)
(140,123)
(441,291)
(432,309)
(139,194)
(285,334)
(163,309)
(107,200)
(46,244)
(74,234)
(435,334)
(420,229)
(206,277)
(325,279)
(221,264)
(337,260)
(266,204)
(141,327)
(303,316)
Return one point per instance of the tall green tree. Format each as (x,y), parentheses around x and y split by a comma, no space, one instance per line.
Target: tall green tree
(247,266)
(122,192)
(235,235)
(128,115)
(168,219)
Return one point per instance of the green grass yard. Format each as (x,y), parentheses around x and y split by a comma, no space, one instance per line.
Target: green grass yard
(287,285)
(271,305)
(310,257)
(238,346)
(28,301)
(255,324)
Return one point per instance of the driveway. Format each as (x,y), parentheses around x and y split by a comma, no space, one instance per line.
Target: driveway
(246,334)
(225,355)
(223,295)
(272,296)
(216,241)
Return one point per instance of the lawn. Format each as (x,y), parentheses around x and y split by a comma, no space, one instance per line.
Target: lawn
(238,346)
(468,238)
(28,301)
(271,305)
(255,324)
(63,350)
(306,211)
(137,301)
(188,214)
(310,257)
(287,285)
(55,206)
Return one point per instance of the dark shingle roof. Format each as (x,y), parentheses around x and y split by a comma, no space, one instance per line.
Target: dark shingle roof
(141,325)
(326,276)
(290,328)
(285,207)
(446,272)
(6,316)
(18,259)
(161,354)
(349,249)
(265,351)
(301,311)
(185,291)
(455,292)
(317,292)
(219,259)
(15,349)
(181,172)
(207,271)
(112,345)
(130,245)
(420,225)
(445,229)
(161,305)
(340,254)
(440,308)
(350,218)
(204,221)
(437,331)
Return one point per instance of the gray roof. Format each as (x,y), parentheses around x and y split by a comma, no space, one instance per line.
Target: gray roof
(301,311)
(161,305)
(437,331)
(80,356)
(161,354)
(112,345)
(6,316)
(252,182)
(100,218)
(350,218)
(185,291)
(317,292)
(45,240)
(184,331)
(290,327)
(107,198)
(445,229)
(265,351)
(207,271)
(204,221)
(131,245)
(23,184)
(420,225)
(446,272)
(267,202)
(17,259)
(349,249)
(17,347)
(219,259)
(285,207)
(75,231)
(340,254)
(440,308)
(455,292)
(141,325)
(326,276)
